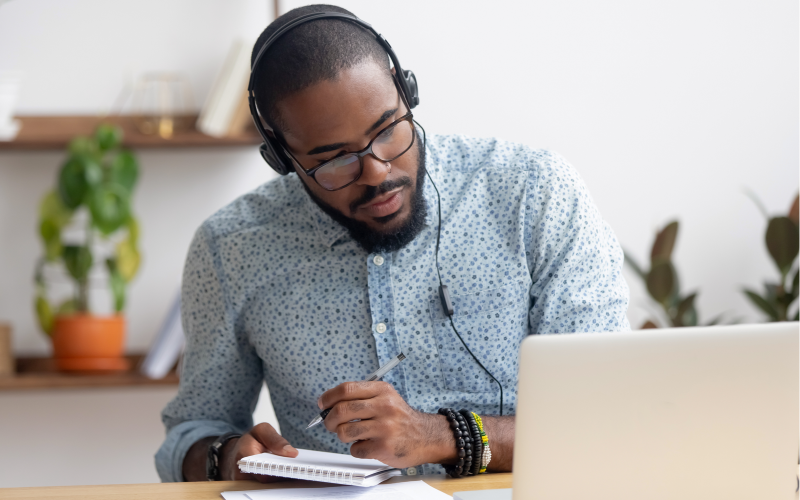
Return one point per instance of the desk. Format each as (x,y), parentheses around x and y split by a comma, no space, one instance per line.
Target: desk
(212,490)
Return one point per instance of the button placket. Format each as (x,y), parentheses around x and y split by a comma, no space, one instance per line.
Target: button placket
(381,302)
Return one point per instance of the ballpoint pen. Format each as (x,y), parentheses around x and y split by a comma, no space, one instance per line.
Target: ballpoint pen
(379,373)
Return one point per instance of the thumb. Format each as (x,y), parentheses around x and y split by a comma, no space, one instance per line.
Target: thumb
(272,441)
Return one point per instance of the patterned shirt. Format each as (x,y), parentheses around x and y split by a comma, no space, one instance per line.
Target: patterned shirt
(275,290)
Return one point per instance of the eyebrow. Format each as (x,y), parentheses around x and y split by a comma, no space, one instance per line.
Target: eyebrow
(333,147)
(385,116)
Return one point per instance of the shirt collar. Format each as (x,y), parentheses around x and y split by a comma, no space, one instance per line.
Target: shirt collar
(329,231)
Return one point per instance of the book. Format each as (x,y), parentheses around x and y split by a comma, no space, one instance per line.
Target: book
(221,113)
(167,346)
(320,466)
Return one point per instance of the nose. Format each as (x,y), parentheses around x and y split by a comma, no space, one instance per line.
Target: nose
(375,171)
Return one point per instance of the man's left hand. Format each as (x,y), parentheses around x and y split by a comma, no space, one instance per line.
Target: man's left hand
(386,427)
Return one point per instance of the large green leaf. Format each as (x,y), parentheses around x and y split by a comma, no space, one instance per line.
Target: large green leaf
(125,170)
(783,242)
(127,259)
(762,304)
(117,284)
(52,209)
(51,235)
(83,146)
(665,243)
(796,284)
(78,260)
(44,314)
(110,207)
(77,175)
(794,210)
(660,281)
(108,136)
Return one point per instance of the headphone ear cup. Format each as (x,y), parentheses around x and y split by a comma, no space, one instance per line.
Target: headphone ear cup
(275,157)
(411,86)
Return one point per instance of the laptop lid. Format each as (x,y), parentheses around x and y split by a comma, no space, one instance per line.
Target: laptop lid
(682,413)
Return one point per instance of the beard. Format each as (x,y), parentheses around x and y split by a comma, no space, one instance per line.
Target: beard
(373,240)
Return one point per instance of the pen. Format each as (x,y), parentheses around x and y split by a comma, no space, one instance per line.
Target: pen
(383,370)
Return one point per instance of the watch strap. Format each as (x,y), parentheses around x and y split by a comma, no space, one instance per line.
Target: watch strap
(214,452)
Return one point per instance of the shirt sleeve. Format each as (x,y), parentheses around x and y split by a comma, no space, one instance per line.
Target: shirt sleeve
(222,373)
(574,257)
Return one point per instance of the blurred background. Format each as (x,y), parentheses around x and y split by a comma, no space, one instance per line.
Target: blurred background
(668,110)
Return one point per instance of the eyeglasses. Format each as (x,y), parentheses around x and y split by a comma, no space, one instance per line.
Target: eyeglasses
(390,143)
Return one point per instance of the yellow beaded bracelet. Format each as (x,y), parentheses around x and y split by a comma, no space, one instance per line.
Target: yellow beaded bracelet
(487,453)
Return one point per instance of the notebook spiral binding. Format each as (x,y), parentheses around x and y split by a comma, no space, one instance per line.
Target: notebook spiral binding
(300,472)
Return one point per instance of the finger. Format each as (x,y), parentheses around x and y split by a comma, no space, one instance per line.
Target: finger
(356,431)
(246,447)
(348,391)
(345,411)
(366,449)
(272,441)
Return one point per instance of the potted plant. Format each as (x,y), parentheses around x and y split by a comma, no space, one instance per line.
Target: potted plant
(93,192)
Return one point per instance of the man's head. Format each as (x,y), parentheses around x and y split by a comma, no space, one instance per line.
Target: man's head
(326,89)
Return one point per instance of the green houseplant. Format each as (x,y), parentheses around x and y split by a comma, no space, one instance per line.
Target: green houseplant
(662,283)
(94,189)
(783,241)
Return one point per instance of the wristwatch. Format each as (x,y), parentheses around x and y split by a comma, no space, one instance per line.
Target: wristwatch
(214,450)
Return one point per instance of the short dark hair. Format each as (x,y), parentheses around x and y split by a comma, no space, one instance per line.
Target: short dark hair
(308,54)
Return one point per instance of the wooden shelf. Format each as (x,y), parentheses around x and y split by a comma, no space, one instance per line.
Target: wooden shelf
(41,373)
(55,132)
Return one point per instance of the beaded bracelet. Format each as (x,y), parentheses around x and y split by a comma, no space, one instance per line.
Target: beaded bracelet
(463,443)
(486,456)
(477,444)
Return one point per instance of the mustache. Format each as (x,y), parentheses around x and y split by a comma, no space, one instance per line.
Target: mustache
(373,192)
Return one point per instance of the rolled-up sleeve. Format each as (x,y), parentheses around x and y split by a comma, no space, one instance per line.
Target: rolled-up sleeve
(222,374)
(574,257)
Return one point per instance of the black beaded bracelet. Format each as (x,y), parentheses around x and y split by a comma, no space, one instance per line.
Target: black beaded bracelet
(463,440)
(477,443)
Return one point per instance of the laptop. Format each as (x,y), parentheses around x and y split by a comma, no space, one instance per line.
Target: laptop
(682,413)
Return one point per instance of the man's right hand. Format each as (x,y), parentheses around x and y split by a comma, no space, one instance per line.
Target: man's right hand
(263,438)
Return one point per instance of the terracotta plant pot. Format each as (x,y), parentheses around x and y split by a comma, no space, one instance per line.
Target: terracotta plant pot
(82,342)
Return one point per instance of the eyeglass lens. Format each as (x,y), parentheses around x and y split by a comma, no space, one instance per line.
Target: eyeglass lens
(387,146)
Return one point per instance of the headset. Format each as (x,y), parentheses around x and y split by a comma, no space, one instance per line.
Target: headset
(273,151)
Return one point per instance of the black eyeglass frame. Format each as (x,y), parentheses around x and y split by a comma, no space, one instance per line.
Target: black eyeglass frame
(409,117)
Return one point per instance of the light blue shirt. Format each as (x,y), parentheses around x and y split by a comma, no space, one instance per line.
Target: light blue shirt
(275,290)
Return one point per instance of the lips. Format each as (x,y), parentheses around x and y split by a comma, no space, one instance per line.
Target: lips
(385,204)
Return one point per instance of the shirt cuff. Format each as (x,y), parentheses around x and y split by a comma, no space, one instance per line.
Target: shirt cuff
(169,458)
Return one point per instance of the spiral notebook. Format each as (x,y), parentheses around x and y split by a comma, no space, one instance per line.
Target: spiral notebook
(320,466)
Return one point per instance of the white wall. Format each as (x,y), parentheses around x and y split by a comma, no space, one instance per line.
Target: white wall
(668,109)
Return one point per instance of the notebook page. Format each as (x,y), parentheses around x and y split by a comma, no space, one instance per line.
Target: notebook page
(418,490)
(323,460)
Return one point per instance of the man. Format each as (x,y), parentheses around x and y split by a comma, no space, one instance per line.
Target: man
(314,280)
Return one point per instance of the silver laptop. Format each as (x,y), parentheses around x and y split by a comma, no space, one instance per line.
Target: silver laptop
(683,413)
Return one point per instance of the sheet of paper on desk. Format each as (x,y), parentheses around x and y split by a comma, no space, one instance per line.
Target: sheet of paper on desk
(419,490)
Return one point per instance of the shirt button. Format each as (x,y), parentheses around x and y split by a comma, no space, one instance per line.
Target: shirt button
(411,471)
(380,327)
(378,260)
